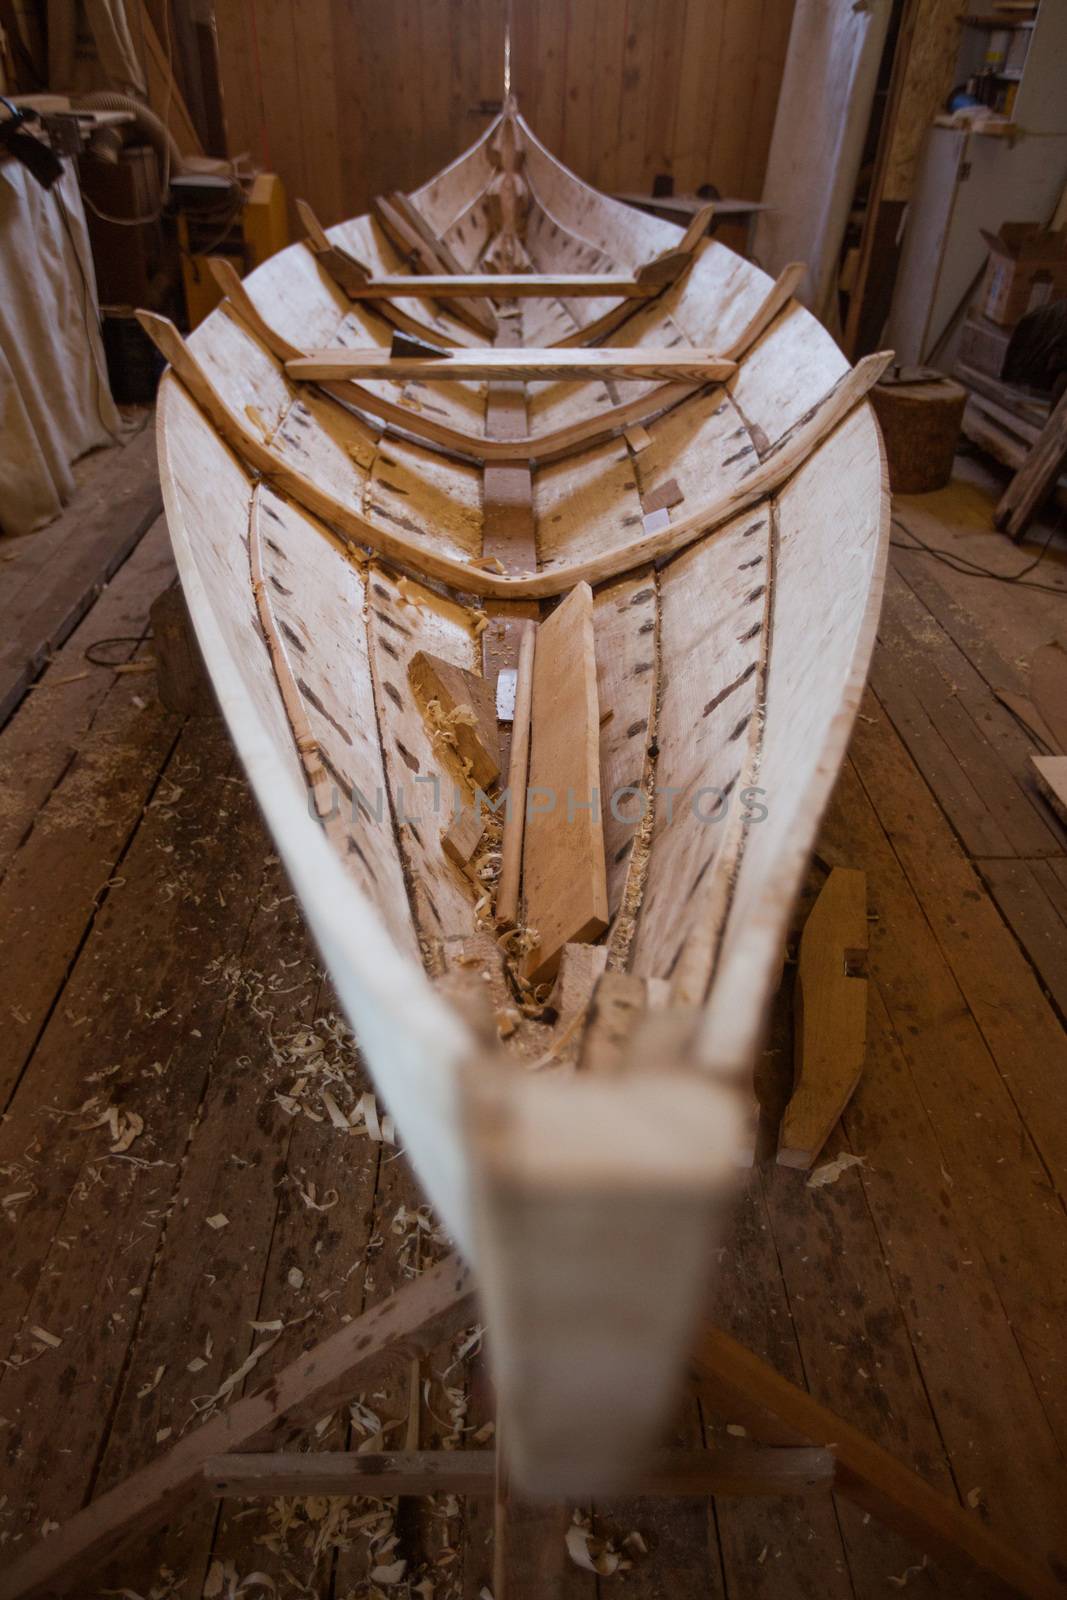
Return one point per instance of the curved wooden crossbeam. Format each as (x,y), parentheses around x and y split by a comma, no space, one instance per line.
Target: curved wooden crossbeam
(530,447)
(785,457)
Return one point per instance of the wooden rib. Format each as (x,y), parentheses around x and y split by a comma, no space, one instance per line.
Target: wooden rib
(348,274)
(777,297)
(305,741)
(547,365)
(508,286)
(507,894)
(530,447)
(738,1470)
(414,242)
(780,463)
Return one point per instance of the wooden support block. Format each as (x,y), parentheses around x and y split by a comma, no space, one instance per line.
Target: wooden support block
(181,677)
(456,690)
(528,365)
(662,497)
(637,437)
(412,1321)
(564,873)
(1052,781)
(745,1390)
(830,1016)
(460,840)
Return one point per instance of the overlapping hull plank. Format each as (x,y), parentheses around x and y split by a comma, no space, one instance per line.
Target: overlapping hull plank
(734,540)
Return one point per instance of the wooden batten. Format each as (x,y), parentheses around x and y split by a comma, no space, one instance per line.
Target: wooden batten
(507,895)
(507,286)
(564,872)
(831,1017)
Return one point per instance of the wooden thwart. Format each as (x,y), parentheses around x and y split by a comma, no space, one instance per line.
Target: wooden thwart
(564,872)
(831,1016)
(551,364)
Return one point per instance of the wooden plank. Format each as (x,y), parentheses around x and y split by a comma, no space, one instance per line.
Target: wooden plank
(43,615)
(1027,491)
(770,1406)
(831,1017)
(1030,914)
(414,1319)
(977,1017)
(507,893)
(666,365)
(1048,689)
(564,873)
(413,244)
(38,744)
(457,690)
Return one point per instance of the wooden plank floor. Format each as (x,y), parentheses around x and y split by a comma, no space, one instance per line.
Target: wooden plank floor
(181,1215)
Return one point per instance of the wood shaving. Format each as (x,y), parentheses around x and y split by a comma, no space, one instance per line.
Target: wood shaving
(218,1221)
(43,1336)
(830,1171)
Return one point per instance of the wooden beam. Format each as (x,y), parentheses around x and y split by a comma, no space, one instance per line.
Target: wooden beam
(527,365)
(507,286)
(410,1323)
(737,1470)
(746,1391)
(564,871)
(830,1011)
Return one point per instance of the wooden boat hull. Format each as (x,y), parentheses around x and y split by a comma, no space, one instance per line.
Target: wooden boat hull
(321,548)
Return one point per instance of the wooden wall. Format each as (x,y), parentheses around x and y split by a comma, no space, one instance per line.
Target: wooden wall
(347,98)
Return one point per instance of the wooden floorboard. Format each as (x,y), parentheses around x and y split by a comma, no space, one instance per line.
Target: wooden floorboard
(160,963)
(87,545)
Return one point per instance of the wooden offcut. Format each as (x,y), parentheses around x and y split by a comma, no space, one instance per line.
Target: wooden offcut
(460,840)
(830,1011)
(458,691)
(564,873)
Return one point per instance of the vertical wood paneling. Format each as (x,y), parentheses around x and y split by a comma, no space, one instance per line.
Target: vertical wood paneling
(352,97)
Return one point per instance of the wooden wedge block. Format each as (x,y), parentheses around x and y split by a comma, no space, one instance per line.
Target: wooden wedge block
(454,688)
(830,1016)
(460,840)
(564,874)
(1052,781)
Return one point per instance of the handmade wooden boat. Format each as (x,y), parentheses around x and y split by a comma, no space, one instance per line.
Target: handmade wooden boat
(655,508)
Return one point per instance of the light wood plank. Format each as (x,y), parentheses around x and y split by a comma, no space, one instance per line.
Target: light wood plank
(564,875)
(673,366)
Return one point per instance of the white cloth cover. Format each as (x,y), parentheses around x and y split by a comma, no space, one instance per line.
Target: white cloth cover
(55,403)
